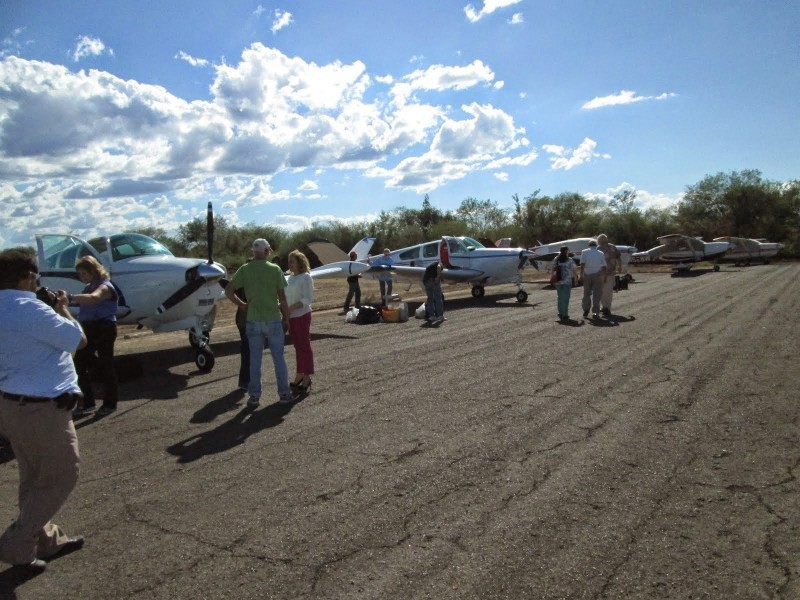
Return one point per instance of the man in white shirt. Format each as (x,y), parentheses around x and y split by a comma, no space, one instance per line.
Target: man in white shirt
(593,273)
(38,390)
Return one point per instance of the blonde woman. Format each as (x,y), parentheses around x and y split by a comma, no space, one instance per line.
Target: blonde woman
(299,296)
(98,317)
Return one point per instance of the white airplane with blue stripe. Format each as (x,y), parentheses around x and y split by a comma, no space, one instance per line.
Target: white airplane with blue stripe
(464,260)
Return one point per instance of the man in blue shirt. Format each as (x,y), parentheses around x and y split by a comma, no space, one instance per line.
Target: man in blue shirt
(38,390)
(384,280)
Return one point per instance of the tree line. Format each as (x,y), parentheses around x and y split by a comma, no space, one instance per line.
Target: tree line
(739,203)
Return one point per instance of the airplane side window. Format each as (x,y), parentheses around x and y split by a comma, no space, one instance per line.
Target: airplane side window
(430,250)
(411,254)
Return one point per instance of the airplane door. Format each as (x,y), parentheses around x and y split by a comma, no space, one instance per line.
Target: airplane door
(57,255)
(456,252)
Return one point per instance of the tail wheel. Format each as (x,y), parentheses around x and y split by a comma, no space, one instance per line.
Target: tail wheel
(522,296)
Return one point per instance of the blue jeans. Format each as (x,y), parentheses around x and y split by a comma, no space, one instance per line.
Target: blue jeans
(386,289)
(354,289)
(434,307)
(563,290)
(272,331)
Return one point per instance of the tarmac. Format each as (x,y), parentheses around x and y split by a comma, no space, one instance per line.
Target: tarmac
(650,455)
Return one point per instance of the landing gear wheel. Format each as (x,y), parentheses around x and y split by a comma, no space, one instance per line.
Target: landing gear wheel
(193,342)
(478,291)
(522,296)
(716,268)
(204,360)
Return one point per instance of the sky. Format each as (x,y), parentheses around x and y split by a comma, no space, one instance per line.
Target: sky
(128,114)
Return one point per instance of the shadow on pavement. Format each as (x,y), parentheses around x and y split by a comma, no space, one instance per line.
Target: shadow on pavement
(229,434)
(12,578)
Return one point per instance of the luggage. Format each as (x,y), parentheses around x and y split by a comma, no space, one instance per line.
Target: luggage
(368,315)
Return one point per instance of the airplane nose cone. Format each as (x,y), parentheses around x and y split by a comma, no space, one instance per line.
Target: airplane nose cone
(211,271)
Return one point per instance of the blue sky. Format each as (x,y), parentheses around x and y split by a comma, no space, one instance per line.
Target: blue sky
(120,115)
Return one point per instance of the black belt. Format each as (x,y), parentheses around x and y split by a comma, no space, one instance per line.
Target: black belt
(21,398)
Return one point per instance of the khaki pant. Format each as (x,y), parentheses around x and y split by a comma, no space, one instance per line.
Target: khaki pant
(46,447)
(607,295)
(592,287)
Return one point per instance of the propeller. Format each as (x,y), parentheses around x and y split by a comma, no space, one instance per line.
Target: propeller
(523,258)
(210,233)
(198,275)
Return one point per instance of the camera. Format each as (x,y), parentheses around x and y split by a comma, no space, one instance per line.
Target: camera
(47,296)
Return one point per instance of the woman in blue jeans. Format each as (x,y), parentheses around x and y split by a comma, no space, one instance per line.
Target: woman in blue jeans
(565,272)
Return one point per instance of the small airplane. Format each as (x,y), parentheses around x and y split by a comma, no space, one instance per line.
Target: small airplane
(464,260)
(544,254)
(745,251)
(161,291)
(682,251)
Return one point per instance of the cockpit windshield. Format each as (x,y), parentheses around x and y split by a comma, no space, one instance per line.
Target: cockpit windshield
(471,243)
(127,245)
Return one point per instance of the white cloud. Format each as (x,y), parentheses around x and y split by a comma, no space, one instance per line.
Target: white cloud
(308,186)
(644,199)
(501,176)
(73,141)
(440,78)
(282,18)
(489,6)
(195,62)
(517,19)
(260,10)
(89,46)
(567,158)
(623,97)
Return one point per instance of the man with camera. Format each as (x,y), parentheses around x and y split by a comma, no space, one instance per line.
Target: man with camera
(38,390)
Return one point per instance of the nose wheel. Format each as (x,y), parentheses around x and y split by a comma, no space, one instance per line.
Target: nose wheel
(204,359)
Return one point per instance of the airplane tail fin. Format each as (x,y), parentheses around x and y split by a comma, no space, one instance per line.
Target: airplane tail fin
(362,247)
(327,252)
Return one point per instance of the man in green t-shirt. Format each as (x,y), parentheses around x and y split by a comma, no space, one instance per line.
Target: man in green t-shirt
(267,318)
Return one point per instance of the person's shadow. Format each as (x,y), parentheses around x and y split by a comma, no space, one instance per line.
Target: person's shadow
(12,578)
(230,433)
(218,407)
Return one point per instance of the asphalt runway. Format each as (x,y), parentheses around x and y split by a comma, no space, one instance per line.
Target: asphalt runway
(502,455)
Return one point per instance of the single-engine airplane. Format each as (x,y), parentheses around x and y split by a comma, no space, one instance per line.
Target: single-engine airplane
(464,260)
(745,251)
(682,251)
(544,254)
(161,291)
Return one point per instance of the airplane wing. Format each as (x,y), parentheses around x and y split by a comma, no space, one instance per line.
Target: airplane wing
(343,268)
(408,273)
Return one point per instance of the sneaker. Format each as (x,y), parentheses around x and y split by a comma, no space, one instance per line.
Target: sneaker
(606,312)
(291,398)
(440,320)
(253,402)
(104,411)
(80,413)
